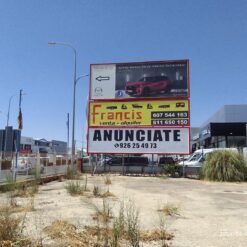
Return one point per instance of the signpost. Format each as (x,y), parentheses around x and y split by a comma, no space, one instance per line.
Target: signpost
(139,108)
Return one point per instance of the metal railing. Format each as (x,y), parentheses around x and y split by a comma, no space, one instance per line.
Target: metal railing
(31,166)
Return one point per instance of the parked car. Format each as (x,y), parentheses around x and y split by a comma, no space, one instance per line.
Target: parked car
(129,161)
(114,161)
(167,160)
(148,86)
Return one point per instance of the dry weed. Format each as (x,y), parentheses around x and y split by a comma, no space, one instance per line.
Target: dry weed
(104,214)
(74,187)
(11,228)
(66,234)
(123,231)
(107,179)
(132,224)
(17,208)
(154,235)
(96,191)
(107,194)
(169,210)
(26,190)
(61,179)
(72,173)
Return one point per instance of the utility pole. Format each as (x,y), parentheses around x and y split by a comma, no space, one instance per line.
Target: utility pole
(20,98)
(20,123)
(18,137)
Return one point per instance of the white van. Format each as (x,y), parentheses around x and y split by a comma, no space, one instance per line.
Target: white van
(199,156)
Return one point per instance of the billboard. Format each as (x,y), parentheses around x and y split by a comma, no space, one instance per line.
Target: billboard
(162,79)
(139,140)
(139,113)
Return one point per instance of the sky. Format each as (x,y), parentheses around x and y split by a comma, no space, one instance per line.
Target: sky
(212,34)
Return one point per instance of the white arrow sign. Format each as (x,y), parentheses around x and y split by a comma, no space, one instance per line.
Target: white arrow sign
(103,81)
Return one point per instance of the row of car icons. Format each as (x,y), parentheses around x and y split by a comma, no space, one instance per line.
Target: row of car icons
(149,106)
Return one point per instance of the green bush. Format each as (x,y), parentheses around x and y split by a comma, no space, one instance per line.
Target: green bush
(171,170)
(225,166)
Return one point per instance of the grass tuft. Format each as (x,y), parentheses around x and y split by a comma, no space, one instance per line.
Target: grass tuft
(107,179)
(72,173)
(225,166)
(74,187)
(11,228)
(132,225)
(104,214)
(96,191)
(169,210)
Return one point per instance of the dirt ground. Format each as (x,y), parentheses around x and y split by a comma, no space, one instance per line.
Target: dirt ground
(209,214)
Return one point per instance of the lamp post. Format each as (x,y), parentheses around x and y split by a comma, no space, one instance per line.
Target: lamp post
(74,91)
(10,99)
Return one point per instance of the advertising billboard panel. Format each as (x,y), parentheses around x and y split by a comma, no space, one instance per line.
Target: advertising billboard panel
(139,113)
(161,79)
(139,140)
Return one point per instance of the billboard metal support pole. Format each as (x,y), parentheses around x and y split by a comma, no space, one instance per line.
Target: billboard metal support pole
(246,134)
(90,163)
(123,164)
(183,168)
(16,161)
(153,164)
(37,167)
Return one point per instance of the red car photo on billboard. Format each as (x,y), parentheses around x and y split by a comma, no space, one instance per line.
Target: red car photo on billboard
(147,86)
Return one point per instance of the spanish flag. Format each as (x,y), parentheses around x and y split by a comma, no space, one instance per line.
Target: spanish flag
(20,124)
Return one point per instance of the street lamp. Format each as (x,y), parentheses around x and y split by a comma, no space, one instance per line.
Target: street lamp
(74,91)
(10,99)
(81,76)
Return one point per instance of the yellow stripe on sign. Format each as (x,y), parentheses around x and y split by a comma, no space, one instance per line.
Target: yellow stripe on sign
(135,113)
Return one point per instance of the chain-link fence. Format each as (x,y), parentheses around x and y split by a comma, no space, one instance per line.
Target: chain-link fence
(121,164)
(33,166)
(138,165)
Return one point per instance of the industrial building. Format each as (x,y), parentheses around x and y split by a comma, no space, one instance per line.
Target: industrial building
(226,128)
(11,140)
(31,145)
